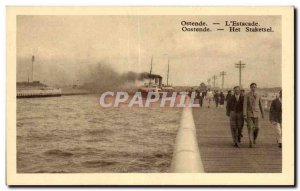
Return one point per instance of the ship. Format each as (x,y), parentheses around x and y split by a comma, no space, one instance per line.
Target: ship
(157,85)
(150,86)
(34,89)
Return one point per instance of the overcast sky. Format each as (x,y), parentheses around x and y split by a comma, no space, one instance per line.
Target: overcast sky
(66,45)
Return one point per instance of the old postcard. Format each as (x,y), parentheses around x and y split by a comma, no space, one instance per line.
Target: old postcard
(150,96)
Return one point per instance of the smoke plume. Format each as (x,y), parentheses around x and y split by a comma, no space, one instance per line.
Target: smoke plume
(103,77)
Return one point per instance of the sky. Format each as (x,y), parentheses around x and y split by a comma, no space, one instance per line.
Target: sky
(67,47)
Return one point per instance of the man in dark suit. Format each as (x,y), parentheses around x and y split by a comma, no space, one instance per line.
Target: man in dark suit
(276,117)
(200,96)
(228,95)
(234,110)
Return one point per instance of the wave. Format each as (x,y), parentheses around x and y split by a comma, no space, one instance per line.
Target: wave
(98,163)
(50,171)
(96,132)
(57,152)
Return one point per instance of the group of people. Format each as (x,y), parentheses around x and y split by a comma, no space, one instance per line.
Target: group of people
(210,96)
(241,108)
(249,108)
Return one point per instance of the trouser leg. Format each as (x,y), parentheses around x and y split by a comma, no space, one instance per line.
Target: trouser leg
(242,127)
(278,128)
(239,121)
(280,138)
(233,127)
(250,130)
(255,128)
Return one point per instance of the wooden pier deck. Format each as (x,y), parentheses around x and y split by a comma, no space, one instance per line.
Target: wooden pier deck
(216,148)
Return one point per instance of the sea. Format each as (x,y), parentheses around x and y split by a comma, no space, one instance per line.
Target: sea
(73,134)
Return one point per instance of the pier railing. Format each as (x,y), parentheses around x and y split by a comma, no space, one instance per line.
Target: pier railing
(186,155)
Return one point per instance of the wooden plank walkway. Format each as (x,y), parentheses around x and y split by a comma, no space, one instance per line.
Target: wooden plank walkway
(217,151)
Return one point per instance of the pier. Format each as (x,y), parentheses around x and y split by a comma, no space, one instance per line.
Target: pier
(217,151)
(33,93)
(216,147)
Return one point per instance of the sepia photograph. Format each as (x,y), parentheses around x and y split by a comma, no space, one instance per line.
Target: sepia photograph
(144,91)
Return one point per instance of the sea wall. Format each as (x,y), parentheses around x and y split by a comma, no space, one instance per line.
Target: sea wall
(25,93)
(186,155)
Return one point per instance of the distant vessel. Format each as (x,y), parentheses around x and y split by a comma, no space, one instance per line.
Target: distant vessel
(157,86)
(35,89)
(151,87)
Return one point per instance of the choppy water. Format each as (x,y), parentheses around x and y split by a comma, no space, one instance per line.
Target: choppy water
(73,134)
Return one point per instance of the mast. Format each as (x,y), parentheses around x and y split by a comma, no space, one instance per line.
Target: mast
(150,71)
(32,61)
(168,73)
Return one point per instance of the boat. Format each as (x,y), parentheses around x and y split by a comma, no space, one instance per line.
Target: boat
(34,89)
(150,86)
(157,86)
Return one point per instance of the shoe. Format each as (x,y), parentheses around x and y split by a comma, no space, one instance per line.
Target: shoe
(280,145)
(236,145)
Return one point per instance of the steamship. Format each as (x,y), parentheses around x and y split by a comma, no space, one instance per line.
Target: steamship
(151,87)
(157,87)
(34,89)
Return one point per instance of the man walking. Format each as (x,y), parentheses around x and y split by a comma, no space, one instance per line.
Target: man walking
(242,94)
(200,97)
(276,117)
(209,97)
(252,107)
(234,110)
(222,99)
(228,95)
(217,98)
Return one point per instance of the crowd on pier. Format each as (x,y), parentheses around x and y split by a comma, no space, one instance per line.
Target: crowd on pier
(244,108)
